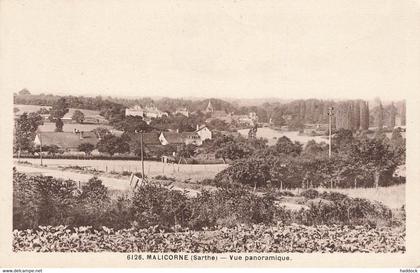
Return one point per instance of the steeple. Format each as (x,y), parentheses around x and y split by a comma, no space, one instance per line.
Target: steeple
(209,108)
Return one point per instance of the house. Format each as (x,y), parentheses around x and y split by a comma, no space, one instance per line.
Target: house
(175,138)
(150,111)
(137,110)
(182,111)
(66,141)
(149,139)
(243,120)
(203,132)
(151,142)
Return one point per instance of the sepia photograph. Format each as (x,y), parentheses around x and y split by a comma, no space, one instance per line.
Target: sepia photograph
(222,132)
(208,175)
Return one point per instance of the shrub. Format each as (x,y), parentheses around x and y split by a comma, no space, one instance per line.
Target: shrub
(163,177)
(340,209)
(310,194)
(155,205)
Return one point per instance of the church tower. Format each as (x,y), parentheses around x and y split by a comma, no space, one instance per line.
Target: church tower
(209,108)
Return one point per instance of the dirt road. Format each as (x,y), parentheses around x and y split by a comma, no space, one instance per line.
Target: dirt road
(111,183)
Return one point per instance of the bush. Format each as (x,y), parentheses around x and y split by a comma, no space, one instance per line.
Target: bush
(155,205)
(340,209)
(163,177)
(230,206)
(310,194)
(43,200)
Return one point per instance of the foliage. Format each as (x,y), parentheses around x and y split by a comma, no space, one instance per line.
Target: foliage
(254,172)
(187,151)
(285,146)
(87,148)
(25,129)
(156,205)
(101,131)
(57,112)
(24,92)
(132,124)
(237,239)
(51,149)
(78,116)
(112,144)
(375,156)
(310,194)
(59,125)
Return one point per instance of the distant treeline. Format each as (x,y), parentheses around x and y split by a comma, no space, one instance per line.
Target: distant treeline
(348,114)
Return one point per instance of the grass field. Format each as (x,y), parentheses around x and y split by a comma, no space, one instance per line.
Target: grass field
(272,135)
(68,127)
(180,172)
(392,196)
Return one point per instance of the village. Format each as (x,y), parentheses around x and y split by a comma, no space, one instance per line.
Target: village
(202,164)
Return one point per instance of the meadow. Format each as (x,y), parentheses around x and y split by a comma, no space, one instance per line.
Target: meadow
(272,135)
(392,196)
(181,172)
(69,127)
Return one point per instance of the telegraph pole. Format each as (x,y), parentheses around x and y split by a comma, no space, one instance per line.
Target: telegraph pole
(40,149)
(141,155)
(330,114)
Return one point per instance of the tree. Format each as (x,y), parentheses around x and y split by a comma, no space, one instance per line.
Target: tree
(43,111)
(78,116)
(87,148)
(285,146)
(57,112)
(254,172)
(25,130)
(234,150)
(315,148)
(217,124)
(51,149)
(398,144)
(374,156)
(379,115)
(187,151)
(94,190)
(58,125)
(131,124)
(24,92)
(101,131)
(112,144)
(341,140)
(364,115)
(277,118)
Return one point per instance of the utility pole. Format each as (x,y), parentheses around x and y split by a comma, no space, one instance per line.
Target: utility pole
(330,114)
(40,149)
(142,156)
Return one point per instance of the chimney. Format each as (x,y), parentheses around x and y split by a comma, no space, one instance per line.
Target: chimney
(177,130)
(198,127)
(81,135)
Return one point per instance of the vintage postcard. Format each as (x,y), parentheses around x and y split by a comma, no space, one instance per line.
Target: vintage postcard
(209,133)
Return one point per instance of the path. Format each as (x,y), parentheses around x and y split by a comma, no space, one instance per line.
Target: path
(109,182)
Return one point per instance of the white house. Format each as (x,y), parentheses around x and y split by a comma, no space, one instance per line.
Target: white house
(149,111)
(134,111)
(173,138)
(183,111)
(203,132)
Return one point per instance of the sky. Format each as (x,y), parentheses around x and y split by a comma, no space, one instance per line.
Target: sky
(202,48)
